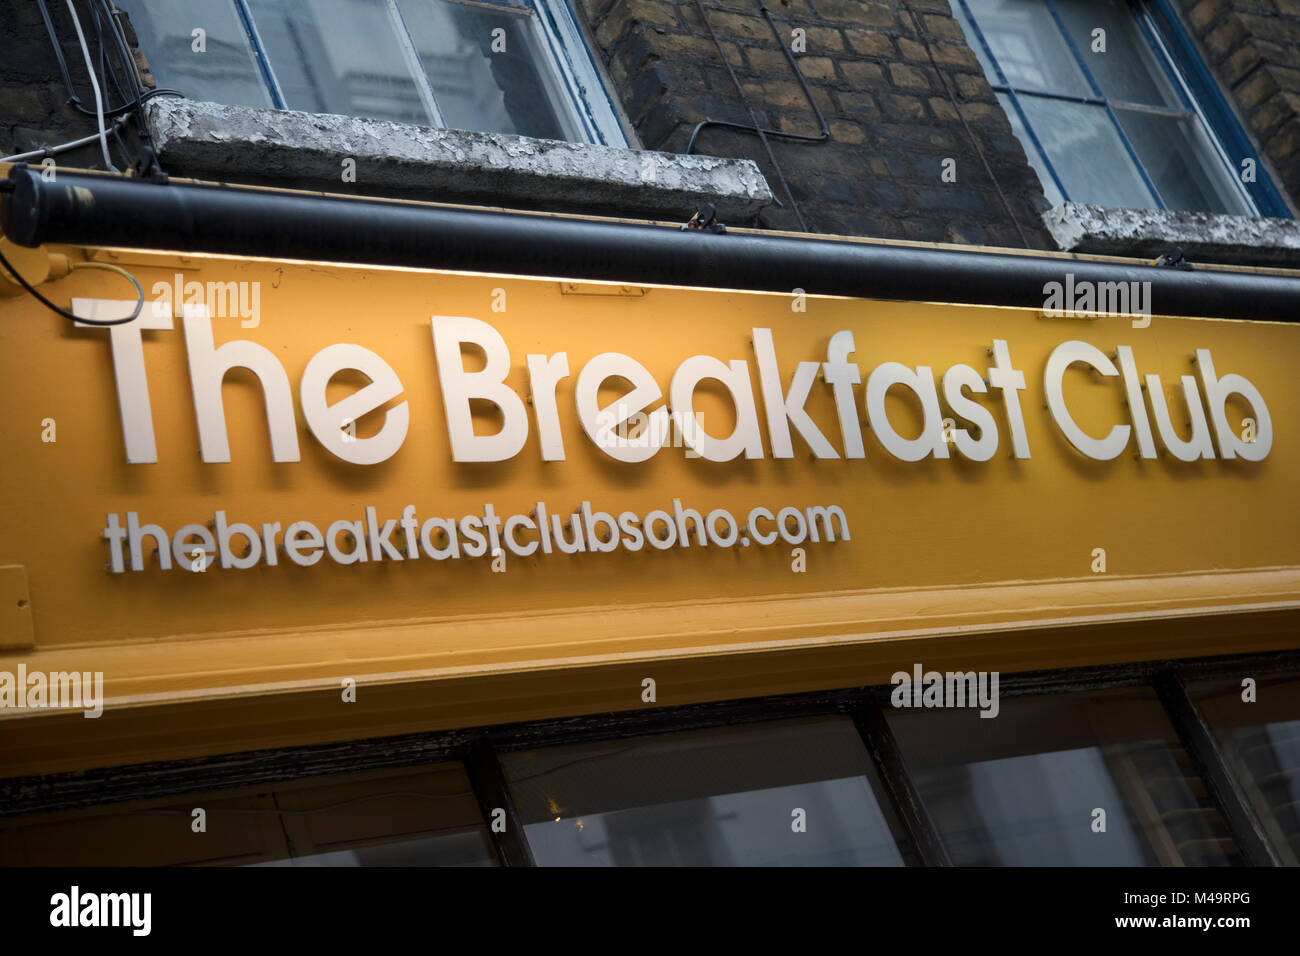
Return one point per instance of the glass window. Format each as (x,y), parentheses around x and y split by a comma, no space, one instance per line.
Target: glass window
(1260,740)
(512,90)
(421,816)
(199,45)
(1024,788)
(788,793)
(503,66)
(1086,152)
(341,56)
(1030,51)
(1035,156)
(1127,69)
(1111,118)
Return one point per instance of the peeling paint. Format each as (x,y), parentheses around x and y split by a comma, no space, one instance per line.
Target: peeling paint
(1203,237)
(217,141)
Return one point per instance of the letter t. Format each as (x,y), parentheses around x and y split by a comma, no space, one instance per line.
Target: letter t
(125,342)
(1010,380)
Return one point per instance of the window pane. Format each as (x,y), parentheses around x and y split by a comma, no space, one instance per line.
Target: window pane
(1087,153)
(1031,151)
(340,56)
(1028,46)
(223,70)
(1261,742)
(421,816)
(1021,789)
(453,848)
(510,89)
(1181,162)
(708,798)
(415,817)
(1127,69)
(973,41)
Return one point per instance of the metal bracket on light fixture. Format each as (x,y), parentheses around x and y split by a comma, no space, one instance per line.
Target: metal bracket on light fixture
(1173,258)
(706,217)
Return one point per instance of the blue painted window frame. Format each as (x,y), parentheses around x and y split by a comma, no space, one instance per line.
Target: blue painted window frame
(1191,79)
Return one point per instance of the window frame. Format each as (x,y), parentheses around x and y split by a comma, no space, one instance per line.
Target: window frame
(562,38)
(1192,83)
(479,751)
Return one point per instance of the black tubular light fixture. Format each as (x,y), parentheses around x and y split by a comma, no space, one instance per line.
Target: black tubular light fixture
(104,210)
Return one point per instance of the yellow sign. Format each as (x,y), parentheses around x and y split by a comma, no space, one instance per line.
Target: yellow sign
(283,476)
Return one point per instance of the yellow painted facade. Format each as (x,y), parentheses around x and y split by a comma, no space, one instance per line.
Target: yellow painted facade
(974,564)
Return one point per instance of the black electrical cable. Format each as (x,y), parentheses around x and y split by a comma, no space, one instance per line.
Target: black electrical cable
(104,72)
(124,55)
(141,95)
(139,297)
(147,95)
(137,95)
(916,25)
(73,99)
(821,137)
(121,145)
(58,55)
(757,127)
(103,84)
(123,52)
(128,64)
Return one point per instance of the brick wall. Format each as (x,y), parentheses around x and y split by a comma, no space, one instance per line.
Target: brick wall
(34,111)
(885,74)
(890,117)
(1253,47)
(881,73)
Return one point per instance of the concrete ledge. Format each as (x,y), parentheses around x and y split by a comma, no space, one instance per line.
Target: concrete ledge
(306,150)
(1146,233)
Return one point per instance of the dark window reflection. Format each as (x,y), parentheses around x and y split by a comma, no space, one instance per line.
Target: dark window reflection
(1260,739)
(422,816)
(1021,789)
(725,797)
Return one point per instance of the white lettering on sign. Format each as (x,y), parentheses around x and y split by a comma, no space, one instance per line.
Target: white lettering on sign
(600,423)
(328,422)
(974,432)
(126,344)
(451,538)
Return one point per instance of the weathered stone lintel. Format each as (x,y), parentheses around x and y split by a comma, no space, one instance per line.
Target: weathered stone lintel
(1203,237)
(307,150)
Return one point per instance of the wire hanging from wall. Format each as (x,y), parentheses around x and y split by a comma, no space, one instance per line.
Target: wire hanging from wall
(71,317)
(94,85)
(916,25)
(121,73)
(764,133)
